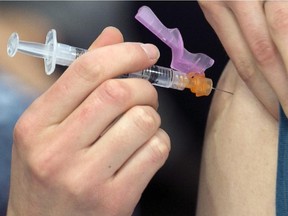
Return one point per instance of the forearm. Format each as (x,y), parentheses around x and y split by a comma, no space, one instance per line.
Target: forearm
(238,172)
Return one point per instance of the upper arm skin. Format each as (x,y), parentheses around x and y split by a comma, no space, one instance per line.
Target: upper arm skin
(238,170)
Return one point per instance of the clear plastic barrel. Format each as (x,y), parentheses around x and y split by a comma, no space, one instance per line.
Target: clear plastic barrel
(162,76)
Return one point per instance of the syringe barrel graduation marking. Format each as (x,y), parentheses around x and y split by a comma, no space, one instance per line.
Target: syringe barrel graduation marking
(169,78)
(162,76)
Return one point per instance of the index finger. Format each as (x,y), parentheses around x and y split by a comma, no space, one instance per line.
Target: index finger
(86,74)
(253,24)
(110,35)
(277,18)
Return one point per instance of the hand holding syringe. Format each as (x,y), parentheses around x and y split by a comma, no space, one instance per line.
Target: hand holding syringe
(56,53)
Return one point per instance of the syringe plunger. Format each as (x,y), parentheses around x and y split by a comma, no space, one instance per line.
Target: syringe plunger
(52,52)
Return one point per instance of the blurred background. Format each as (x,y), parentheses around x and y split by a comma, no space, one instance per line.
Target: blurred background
(173,191)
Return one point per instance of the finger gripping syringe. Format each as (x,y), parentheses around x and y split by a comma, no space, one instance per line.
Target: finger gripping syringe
(56,53)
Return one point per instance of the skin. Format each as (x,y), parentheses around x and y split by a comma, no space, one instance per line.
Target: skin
(74,153)
(89,145)
(238,171)
(238,168)
(255,35)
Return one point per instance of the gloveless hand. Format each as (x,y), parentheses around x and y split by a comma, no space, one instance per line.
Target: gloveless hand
(90,144)
(255,36)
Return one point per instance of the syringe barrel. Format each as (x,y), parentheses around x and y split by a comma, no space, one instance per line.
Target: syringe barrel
(162,76)
(66,54)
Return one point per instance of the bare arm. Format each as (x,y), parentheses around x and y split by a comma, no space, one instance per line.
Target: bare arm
(238,173)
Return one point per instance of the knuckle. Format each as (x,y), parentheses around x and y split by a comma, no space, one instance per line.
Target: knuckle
(110,199)
(20,130)
(73,184)
(120,206)
(165,139)
(150,93)
(146,119)
(278,20)
(134,58)
(206,6)
(245,69)
(114,91)
(160,147)
(23,133)
(42,166)
(153,94)
(211,11)
(211,8)
(75,189)
(89,69)
(263,50)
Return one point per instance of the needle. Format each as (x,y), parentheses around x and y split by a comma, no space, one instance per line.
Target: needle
(56,53)
(217,89)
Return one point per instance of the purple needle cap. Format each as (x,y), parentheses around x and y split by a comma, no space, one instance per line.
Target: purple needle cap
(182,59)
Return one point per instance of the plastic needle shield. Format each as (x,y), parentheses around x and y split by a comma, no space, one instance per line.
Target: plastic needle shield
(182,59)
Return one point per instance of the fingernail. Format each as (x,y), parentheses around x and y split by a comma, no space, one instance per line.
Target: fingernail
(151,51)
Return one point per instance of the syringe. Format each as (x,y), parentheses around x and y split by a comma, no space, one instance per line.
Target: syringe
(169,78)
(56,53)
